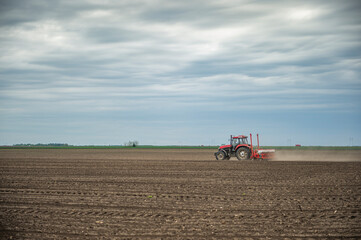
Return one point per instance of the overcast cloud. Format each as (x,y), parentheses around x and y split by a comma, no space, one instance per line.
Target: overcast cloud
(180,72)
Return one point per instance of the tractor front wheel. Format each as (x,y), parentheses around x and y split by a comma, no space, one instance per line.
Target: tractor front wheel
(242,153)
(220,155)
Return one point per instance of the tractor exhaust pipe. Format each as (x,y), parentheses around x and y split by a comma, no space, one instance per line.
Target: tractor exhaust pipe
(257,142)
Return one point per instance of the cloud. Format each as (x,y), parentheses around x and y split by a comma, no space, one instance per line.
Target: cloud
(96,57)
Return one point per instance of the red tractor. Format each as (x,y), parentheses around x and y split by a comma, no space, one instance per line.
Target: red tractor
(240,148)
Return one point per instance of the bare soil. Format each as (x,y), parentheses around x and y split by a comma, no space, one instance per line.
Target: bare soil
(178,194)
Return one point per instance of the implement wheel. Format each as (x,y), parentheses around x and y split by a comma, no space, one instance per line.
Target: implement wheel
(242,153)
(220,155)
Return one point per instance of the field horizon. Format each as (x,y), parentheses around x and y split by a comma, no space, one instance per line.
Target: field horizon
(173,147)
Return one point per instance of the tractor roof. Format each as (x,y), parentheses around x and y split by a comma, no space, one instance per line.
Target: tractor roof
(239,136)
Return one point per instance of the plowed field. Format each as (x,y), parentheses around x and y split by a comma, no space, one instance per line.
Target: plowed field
(177,194)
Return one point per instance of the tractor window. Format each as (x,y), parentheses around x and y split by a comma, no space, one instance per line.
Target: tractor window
(244,141)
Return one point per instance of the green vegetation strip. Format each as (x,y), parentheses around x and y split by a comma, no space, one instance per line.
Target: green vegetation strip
(182,147)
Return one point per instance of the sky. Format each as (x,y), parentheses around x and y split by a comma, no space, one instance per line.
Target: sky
(165,72)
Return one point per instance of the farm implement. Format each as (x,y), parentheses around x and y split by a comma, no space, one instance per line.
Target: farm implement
(240,148)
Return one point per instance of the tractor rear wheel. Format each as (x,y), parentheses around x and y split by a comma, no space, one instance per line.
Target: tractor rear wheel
(242,153)
(220,155)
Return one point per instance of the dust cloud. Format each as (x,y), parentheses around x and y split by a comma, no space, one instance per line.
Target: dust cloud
(319,155)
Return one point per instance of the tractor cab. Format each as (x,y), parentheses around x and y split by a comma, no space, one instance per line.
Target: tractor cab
(237,140)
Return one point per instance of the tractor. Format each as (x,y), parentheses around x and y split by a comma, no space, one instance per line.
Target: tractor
(240,148)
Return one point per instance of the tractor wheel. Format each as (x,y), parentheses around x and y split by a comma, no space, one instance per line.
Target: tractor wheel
(220,155)
(242,153)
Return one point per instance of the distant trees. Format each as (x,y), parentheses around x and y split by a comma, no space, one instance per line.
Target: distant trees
(41,145)
(131,143)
